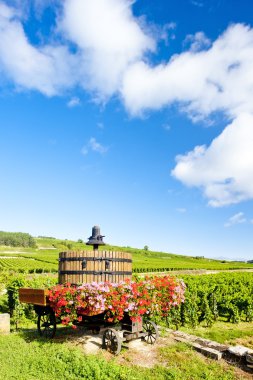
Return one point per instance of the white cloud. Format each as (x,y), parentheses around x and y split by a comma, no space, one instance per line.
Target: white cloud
(97,147)
(235,219)
(224,169)
(109,39)
(48,69)
(197,41)
(217,79)
(74,102)
(94,146)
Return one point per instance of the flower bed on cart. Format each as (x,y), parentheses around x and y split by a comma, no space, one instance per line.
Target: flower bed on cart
(151,296)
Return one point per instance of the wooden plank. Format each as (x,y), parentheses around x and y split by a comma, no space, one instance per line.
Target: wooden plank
(33,296)
(65,276)
(108,277)
(103,255)
(121,266)
(76,266)
(115,264)
(68,266)
(105,276)
(90,266)
(82,254)
(73,268)
(79,267)
(124,265)
(130,265)
(119,277)
(97,266)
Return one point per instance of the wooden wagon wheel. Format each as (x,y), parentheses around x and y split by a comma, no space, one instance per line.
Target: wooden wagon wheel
(111,341)
(46,323)
(151,331)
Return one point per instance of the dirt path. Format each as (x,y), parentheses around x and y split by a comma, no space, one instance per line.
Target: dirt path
(195,271)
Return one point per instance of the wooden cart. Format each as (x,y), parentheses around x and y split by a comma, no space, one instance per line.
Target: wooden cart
(114,334)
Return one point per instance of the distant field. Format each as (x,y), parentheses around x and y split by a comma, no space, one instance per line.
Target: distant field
(44,258)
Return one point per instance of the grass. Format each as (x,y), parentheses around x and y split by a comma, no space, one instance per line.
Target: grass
(23,357)
(224,332)
(41,360)
(186,364)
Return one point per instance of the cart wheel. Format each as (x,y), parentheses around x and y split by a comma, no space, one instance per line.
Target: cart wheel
(151,331)
(47,324)
(112,341)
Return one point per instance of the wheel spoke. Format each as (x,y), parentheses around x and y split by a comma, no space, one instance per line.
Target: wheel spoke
(151,332)
(111,341)
(47,324)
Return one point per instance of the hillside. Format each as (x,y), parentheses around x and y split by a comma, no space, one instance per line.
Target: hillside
(44,258)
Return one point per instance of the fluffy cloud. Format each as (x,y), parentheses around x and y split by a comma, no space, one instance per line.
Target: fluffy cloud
(48,69)
(95,146)
(74,102)
(225,168)
(106,36)
(197,42)
(235,219)
(203,82)
(109,39)
(217,79)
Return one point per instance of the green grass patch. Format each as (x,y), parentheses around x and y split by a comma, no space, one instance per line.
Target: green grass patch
(40,360)
(24,357)
(186,364)
(224,332)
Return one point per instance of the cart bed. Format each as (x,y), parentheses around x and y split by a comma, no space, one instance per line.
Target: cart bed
(33,296)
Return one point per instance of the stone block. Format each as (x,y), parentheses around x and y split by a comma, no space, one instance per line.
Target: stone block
(4,323)
(238,350)
(210,352)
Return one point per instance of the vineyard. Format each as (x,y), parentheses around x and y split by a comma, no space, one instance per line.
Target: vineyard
(221,304)
(224,296)
(27,265)
(44,258)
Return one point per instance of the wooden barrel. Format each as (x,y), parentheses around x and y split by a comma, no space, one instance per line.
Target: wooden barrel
(78,267)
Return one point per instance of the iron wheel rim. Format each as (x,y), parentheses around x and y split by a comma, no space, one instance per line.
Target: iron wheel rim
(112,341)
(47,325)
(151,331)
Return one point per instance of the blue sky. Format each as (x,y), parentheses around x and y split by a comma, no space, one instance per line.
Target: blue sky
(136,116)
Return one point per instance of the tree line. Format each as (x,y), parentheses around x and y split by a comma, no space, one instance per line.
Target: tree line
(17,239)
